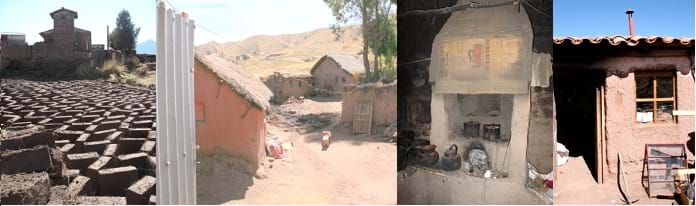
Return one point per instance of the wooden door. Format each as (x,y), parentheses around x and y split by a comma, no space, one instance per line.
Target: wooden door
(362,118)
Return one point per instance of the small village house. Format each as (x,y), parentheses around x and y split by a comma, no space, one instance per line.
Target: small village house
(333,72)
(615,94)
(230,110)
(285,85)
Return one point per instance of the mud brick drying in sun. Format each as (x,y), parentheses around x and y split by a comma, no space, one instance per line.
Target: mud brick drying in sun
(140,192)
(25,189)
(88,140)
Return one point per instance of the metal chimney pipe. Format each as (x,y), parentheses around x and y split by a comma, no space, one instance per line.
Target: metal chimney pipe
(630,12)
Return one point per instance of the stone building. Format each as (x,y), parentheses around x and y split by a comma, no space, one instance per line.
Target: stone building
(333,72)
(621,98)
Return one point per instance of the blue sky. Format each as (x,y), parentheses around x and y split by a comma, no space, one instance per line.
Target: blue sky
(236,20)
(32,16)
(607,17)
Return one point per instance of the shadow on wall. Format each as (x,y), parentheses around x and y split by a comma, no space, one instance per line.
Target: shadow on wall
(222,178)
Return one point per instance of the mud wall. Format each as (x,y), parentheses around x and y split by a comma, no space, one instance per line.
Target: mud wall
(285,87)
(329,76)
(622,133)
(226,122)
(382,96)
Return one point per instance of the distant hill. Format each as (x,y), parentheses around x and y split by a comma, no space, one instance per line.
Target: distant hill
(147,47)
(293,53)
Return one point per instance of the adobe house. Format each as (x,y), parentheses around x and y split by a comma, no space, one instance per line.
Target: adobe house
(65,47)
(285,85)
(64,42)
(478,78)
(333,72)
(231,109)
(381,96)
(617,93)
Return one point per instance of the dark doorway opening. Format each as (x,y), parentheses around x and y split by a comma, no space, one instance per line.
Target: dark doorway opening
(576,93)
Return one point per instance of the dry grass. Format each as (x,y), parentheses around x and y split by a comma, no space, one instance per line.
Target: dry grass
(113,70)
(140,76)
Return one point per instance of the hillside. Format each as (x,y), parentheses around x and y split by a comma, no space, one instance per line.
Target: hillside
(146,47)
(291,53)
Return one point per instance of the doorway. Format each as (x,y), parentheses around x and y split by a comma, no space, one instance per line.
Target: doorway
(579,114)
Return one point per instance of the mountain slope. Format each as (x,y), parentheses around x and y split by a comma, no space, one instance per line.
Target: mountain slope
(147,47)
(292,53)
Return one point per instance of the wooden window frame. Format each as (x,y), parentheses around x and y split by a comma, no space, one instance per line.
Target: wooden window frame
(655,99)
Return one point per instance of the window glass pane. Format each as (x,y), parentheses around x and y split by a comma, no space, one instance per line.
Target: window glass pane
(664,112)
(644,87)
(644,112)
(664,87)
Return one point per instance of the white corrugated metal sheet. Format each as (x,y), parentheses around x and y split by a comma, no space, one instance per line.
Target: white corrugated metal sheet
(176,139)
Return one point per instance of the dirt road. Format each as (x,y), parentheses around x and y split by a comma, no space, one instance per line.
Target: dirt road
(354,170)
(575,185)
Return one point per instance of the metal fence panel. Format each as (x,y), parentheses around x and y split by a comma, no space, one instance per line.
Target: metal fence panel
(176,132)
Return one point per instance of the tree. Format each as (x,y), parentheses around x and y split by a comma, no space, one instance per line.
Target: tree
(124,36)
(378,27)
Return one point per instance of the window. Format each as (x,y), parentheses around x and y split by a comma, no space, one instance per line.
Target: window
(344,79)
(655,92)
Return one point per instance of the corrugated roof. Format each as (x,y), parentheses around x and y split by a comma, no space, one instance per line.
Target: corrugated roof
(349,63)
(619,40)
(246,85)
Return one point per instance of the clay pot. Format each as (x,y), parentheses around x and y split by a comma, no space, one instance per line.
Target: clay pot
(419,142)
(426,148)
(428,159)
(451,160)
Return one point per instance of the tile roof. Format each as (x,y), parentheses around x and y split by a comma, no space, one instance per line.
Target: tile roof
(619,40)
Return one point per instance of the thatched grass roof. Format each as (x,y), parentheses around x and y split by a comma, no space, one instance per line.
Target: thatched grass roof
(246,85)
(349,63)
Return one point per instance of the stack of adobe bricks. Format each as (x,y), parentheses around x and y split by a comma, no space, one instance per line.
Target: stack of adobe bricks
(92,141)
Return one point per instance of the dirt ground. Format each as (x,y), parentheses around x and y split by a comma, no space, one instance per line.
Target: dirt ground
(356,169)
(575,185)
